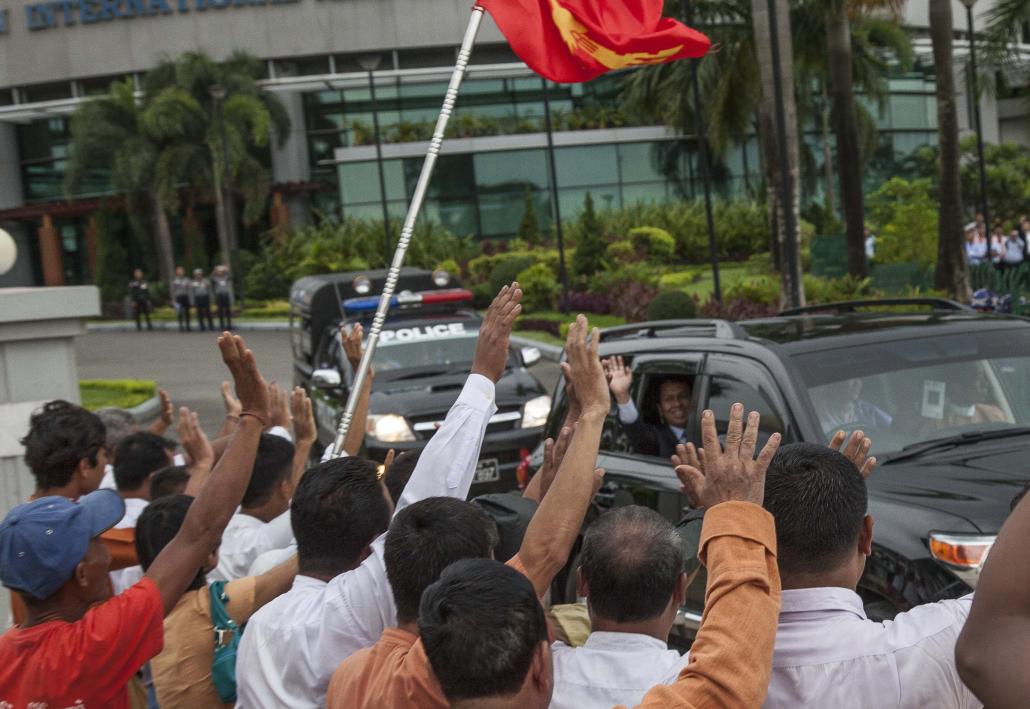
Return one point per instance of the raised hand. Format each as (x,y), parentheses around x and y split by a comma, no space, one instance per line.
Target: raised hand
(689,455)
(232,404)
(280,403)
(620,377)
(573,408)
(352,344)
(166,418)
(251,389)
(584,370)
(857,450)
(554,454)
(304,428)
(492,346)
(194,442)
(730,473)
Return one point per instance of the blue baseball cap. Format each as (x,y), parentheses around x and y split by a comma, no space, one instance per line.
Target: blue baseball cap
(41,542)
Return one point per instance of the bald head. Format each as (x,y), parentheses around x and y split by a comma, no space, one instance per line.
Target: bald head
(631,563)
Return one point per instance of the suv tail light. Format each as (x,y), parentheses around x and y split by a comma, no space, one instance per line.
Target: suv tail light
(963,554)
(522,472)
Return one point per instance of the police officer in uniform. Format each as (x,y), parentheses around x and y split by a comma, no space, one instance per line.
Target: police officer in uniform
(222,282)
(139,294)
(181,298)
(200,290)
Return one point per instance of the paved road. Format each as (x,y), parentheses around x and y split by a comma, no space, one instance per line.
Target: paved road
(189,366)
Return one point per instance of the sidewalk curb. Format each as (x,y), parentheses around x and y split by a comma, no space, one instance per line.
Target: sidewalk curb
(551,353)
(239,326)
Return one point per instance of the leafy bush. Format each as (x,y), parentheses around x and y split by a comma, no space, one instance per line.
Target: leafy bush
(587,302)
(621,251)
(539,288)
(120,393)
(655,243)
(539,324)
(672,305)
(590,243)
(737,309)
(903,215)
(508,270)
(831,290)
(529,228)
(112,275)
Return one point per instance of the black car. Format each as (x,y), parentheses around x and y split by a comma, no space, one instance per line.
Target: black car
(944,393)
(421,364)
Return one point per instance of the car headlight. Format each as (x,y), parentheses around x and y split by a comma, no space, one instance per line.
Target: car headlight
(535,411)
(962,554)
(389,428)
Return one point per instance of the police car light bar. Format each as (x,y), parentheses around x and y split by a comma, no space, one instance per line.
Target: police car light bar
(435,297)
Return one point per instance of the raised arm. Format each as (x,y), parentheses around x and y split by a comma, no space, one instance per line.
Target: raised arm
(305,431)
(731,658)
(994,647)
(448,463)
(353,349)
(553,530)
(162,423)
(199,453)
(176,566)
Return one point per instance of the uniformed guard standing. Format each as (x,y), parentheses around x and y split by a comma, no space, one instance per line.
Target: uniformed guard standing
(222,283)
(181,298)
(139,294)
(200,289)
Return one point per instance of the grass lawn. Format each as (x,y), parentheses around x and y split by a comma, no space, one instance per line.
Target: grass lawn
(120,393)
(698,281)
(542,337)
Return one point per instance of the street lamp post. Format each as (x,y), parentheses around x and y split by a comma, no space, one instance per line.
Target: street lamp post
(702,159)
(974,94)
(369,64)
(563,274)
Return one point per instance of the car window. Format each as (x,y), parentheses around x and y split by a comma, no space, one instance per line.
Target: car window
(906,392)
(735,379)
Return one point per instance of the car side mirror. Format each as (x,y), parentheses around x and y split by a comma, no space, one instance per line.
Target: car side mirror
(325,379)
(530,356)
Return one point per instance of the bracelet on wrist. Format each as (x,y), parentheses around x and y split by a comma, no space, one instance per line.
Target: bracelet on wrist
(261,419)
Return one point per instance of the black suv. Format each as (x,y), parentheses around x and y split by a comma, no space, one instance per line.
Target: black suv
(424,354)
(943,393)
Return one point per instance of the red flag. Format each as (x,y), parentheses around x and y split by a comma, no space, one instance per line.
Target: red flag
(577,40)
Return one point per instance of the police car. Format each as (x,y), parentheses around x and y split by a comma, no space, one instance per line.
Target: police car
(423,358)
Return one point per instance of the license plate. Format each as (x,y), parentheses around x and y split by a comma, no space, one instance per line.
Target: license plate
(488,470)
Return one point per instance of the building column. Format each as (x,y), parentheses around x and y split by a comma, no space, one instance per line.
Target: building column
(91,247)
(279,215)
(290,160)
(50,253)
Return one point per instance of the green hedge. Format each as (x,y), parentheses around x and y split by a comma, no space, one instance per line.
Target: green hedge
(120,393)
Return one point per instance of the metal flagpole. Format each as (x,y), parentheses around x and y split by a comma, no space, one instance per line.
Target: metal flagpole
(409,227)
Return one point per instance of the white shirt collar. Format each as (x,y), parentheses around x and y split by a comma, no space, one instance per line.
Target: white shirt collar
(825,599)
(605,640)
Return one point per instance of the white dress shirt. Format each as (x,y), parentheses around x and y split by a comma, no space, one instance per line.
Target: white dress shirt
(611,669)
(628,414)
(123,578)
(292,646)
(245,539)
(270,559)
(828,654)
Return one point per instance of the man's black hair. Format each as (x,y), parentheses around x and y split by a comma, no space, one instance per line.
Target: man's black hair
(427,537)
(60,435)
(138,456)
(818,499)
(480,625)
(399,473)
(631,561)
(157,526)
(338,509)
(169,481)
(272,465)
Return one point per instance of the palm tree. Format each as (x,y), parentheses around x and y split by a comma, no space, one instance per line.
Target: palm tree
(952,273)
(110,133)
(216,120)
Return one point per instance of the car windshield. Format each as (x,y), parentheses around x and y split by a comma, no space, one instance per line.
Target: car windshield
(435,348)
(910,391)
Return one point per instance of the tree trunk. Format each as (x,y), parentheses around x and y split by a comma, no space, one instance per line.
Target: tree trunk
(767,144)
(952,274)
(849,158)
(163,242)
(221,221)
(824,129)
(763,51)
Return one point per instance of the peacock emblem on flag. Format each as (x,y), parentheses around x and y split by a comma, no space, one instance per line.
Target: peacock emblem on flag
(576,37)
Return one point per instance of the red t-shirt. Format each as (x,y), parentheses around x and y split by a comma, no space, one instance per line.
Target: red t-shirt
(86,663)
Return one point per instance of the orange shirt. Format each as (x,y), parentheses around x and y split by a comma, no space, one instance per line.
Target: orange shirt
(393,673)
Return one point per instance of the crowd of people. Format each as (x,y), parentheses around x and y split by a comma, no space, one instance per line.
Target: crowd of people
(228,571)
(197,293)
(1004,247)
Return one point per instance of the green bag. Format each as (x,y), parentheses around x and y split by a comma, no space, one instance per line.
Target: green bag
(227,639)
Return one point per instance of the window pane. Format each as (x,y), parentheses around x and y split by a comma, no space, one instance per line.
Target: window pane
(359,183)
(458,217)
(504,171)
(639,162)
(588,165)
(644,192)
(604,196)
(501,214)
(724,392)
(908,112)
